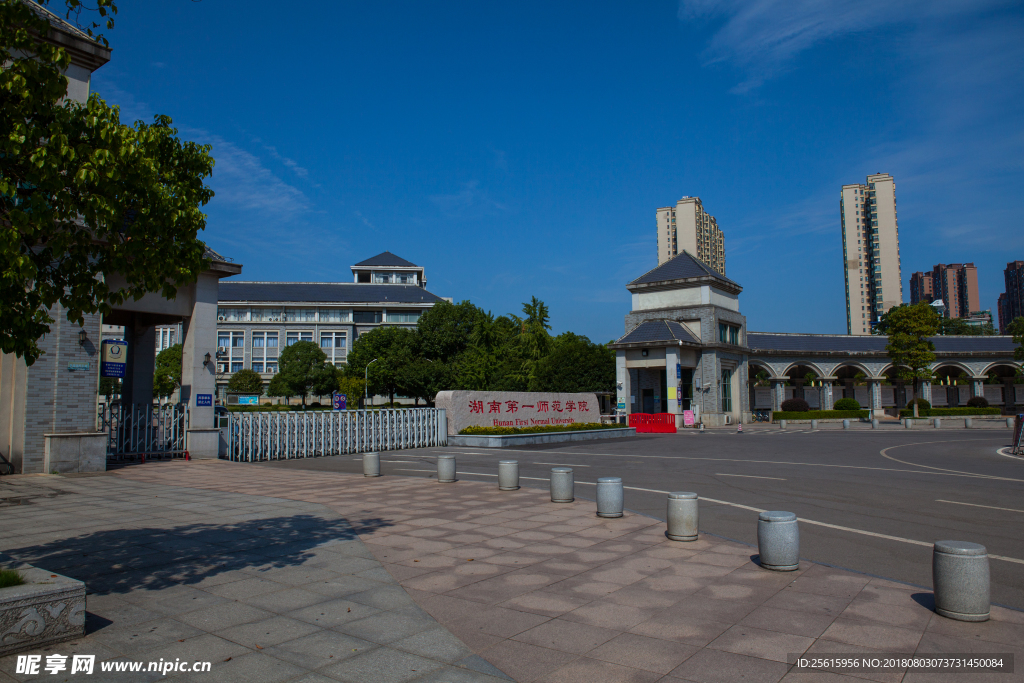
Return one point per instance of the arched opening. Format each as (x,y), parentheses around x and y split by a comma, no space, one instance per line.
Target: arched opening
(852,382)
(805,382)
(951,386)
(759,389)
(1000,386)
(895,393)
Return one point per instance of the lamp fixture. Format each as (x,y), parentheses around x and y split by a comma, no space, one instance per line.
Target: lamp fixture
(82,337)
(206,360)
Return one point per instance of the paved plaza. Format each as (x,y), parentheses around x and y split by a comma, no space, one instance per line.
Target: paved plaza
(286,573)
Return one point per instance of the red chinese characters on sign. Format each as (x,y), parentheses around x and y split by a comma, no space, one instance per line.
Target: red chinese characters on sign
(542,406)
(495,406)
(511,406)
(570,406)
(556,406)
(582,405)
(476,406)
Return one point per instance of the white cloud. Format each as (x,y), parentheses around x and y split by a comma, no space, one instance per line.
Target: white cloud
(469,202)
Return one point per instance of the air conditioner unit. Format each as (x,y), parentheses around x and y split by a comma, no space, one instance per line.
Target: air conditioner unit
(728,419)
(222,318)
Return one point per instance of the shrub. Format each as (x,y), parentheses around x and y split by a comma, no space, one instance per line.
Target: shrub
(795,405)
(539,429)
(921,405)
(847,404)
(951,412)
(819,415)
(977,402)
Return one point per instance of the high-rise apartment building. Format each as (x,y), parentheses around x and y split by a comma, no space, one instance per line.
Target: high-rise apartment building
(1011,302)
(688,227)
(921,288)
(871,251)
(957,285)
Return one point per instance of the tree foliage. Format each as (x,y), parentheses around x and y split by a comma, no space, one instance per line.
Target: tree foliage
(246,381)
(110,387)
(959,327)
(303,371)
(1016,330)
(909,348)
(167,371)
(460,346)
(83,195)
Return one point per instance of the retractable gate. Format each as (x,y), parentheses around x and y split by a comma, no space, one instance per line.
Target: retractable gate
(282,435)
(145,431)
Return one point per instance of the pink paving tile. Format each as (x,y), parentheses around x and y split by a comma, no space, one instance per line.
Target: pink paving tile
(524,662)
(991,631)
(808,602)
(641,652)
(542,602)
(692,631)
(567,636)
(755,642)
(611,615)
(785,621)
(715,666)
(586,670)
(868,607)
(641,595)
(873,635)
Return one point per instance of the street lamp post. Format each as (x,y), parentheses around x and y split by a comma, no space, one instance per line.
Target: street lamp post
(366,381)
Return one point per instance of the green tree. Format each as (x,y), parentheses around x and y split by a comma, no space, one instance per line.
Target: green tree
(246,381)
(352,387)
(110,387)
(303,371)
(167,373)
(909,348)
(83,195)
(279,388)
(575,364)
(386,351)
(1016,330)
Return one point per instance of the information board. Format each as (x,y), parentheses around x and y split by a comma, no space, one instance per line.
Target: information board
(248,400)
(688,418)
(113,360)
(203,400)
(340,401)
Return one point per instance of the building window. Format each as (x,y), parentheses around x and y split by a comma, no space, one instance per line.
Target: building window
(232,315)
(257,367)
(365,317)
(382,278)
(294,337)
(334,346)
(403,316)
(726,391)
(236,366)
(728,334)
(265,315)
(334,315)
(300,315)
(264,348)
(233,354)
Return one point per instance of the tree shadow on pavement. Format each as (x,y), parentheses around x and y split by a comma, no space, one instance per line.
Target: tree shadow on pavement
(121,560)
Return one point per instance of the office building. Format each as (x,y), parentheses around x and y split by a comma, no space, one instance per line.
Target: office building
(688,227)
(954,284)
(871,251)
(1011,302)
(256,319)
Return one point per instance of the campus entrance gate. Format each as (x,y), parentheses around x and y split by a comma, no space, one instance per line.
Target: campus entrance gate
(139,431)
(268,435)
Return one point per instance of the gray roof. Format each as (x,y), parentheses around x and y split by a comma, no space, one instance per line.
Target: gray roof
(681,267)
(324,292)
(387,259)
(215,256)
(766,341)
(652,331)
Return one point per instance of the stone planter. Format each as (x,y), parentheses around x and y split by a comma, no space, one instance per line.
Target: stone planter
(47,608)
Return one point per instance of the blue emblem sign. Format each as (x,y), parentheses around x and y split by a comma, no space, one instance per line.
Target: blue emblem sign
(114,359)
(340,401)
(204,400)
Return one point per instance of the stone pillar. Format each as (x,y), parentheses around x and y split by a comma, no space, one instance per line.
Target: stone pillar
(198,379)
(671,361)
(778,393)
(977,386)
(1009,399)
(926,390)
(137,385)
(622,391)
(826,395)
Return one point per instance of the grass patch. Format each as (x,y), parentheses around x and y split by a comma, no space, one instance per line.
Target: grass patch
(952,412)
(10,577)
(818,414)
(539,429)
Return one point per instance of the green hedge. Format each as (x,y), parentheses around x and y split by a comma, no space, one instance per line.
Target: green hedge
(951,412)
(502,431)
(818,414)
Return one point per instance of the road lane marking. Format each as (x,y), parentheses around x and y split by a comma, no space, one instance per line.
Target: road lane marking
(884,454)
(862,532)
(748,476)
(975,505)
(556,464)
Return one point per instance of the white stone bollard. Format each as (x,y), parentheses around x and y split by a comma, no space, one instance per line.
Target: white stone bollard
(782,424)
(908,423)
(968,423)
(778,541)
(814,424)
(446,469)
(1009,422)
(846,424)
(508,475)
(371,464)
(937,422)
(874,423)
(682,516)
(562,485)
(960,578)
(609,497)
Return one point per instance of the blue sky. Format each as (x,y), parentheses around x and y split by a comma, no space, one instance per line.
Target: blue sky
(521,149)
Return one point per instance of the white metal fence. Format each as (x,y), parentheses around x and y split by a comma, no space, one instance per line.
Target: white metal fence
(141,430)
(281,435)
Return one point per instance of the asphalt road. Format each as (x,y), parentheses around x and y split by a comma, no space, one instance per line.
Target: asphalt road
(916,486)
